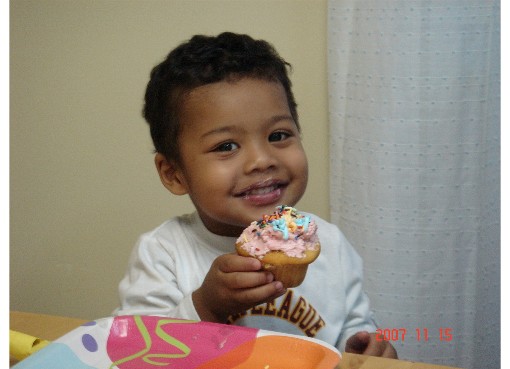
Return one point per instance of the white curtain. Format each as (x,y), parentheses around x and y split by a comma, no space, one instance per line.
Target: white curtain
(415,168)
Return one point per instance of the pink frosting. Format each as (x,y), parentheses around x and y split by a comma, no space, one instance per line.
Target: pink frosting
(285,230)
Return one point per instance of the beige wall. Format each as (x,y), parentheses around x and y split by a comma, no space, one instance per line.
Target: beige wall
(82,181)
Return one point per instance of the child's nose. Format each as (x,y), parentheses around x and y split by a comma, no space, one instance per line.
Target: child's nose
(259,158)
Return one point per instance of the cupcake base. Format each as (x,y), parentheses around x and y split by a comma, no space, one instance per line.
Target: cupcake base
(291,275)
(291,271)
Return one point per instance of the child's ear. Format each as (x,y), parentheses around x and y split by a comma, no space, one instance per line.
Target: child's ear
(170,174)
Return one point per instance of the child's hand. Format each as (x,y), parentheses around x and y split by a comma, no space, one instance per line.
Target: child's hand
(365,343)
(234,284)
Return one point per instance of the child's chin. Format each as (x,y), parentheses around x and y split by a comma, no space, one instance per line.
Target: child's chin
(259,211)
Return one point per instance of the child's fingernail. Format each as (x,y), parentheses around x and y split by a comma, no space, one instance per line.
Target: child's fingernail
(279,286)
(269,277)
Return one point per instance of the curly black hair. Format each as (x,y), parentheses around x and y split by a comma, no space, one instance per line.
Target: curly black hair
(203,60)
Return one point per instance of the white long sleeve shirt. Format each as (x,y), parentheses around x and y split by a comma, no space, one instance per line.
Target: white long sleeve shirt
(170,262)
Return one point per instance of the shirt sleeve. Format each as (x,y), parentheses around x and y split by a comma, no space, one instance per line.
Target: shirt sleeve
(150,285)
(359,316)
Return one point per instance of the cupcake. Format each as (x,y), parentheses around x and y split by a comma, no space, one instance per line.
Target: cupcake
(285,242)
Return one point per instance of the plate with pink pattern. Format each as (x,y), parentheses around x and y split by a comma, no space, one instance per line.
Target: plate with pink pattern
(151,342)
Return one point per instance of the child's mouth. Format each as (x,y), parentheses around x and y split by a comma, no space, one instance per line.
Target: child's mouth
(263,194)
(260,191)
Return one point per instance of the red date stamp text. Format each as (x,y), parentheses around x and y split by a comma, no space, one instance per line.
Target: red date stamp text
(421,334)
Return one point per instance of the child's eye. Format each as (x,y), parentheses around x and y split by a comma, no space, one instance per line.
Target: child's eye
(226,146)
(278,136)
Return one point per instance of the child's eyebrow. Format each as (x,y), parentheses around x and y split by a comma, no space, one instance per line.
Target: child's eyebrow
(279,118)
(233,128)
(219,130)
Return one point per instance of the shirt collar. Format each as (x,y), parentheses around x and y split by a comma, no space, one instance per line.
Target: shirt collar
(222,243)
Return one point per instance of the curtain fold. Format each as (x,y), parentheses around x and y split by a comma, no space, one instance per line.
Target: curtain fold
(414,90)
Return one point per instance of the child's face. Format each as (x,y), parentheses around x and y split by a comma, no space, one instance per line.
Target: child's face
(241,153)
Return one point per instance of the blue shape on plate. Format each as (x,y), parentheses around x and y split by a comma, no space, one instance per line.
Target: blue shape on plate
(89,324)
(54,356)
(89,342)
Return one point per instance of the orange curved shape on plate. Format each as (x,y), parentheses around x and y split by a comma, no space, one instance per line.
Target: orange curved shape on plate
(276,352)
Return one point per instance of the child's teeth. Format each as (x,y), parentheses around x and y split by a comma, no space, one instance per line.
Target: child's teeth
(262,191)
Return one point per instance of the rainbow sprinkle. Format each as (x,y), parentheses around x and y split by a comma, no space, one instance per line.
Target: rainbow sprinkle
(285,219)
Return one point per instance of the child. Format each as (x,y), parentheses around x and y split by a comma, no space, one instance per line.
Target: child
(223,120)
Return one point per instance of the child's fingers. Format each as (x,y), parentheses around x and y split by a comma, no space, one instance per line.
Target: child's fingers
(230,263)
(259,295)
(365,343)
(377,348)
(244,280)
(358,343)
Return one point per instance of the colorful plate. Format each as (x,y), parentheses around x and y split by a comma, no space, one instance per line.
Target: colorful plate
(150,342)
